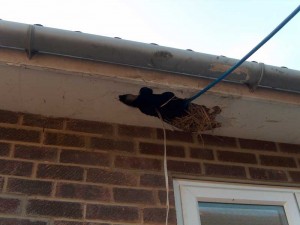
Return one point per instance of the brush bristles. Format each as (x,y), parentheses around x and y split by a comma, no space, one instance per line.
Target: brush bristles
(198,118)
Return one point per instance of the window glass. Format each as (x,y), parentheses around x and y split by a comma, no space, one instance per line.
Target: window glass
(240,214)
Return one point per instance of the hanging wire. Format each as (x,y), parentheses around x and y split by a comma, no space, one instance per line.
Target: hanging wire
(165,168)
(230,70)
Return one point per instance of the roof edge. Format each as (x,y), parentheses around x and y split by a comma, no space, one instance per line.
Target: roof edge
(36,38)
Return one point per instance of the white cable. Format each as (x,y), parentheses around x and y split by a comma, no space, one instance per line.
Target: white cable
(165,167)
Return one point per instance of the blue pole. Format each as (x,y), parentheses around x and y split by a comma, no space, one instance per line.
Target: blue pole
(225,74)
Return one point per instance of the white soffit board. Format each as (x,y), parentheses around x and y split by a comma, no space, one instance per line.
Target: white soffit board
(61,93)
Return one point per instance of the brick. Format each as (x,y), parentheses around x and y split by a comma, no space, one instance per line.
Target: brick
(60,172)
(209,140)
(35,153)
(68,223)
(267,174)
(257,145)
(8,116)
(54,209)
(85,158)
(13,134)
(289,148)
(86,192)
(61,222)
(132,131)
(29,187)
(239,157)
(162,198)
(1,183)
(184,167)
(110,144)
(158,215)
(92,223)
(152,180)
(201,153)
(4,149)
(111,177)
(225,170)
(90,127)
(12,221)
(64,140)
(175,135)
(10,167)
(138,163)
(295,175)
(112,213)
(158,149)
(281,161)
(137,196)
(10,206)
(42,121)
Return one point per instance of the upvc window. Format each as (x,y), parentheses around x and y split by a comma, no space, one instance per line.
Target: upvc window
(215,203)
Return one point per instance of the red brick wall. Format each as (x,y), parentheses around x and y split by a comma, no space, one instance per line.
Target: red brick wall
(69,172)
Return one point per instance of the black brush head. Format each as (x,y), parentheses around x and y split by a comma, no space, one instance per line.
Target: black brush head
(166,103)
(175,111)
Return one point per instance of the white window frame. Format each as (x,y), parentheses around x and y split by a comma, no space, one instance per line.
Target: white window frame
(189,193)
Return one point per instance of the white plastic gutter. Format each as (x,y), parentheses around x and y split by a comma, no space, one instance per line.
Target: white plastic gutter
(36,38)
